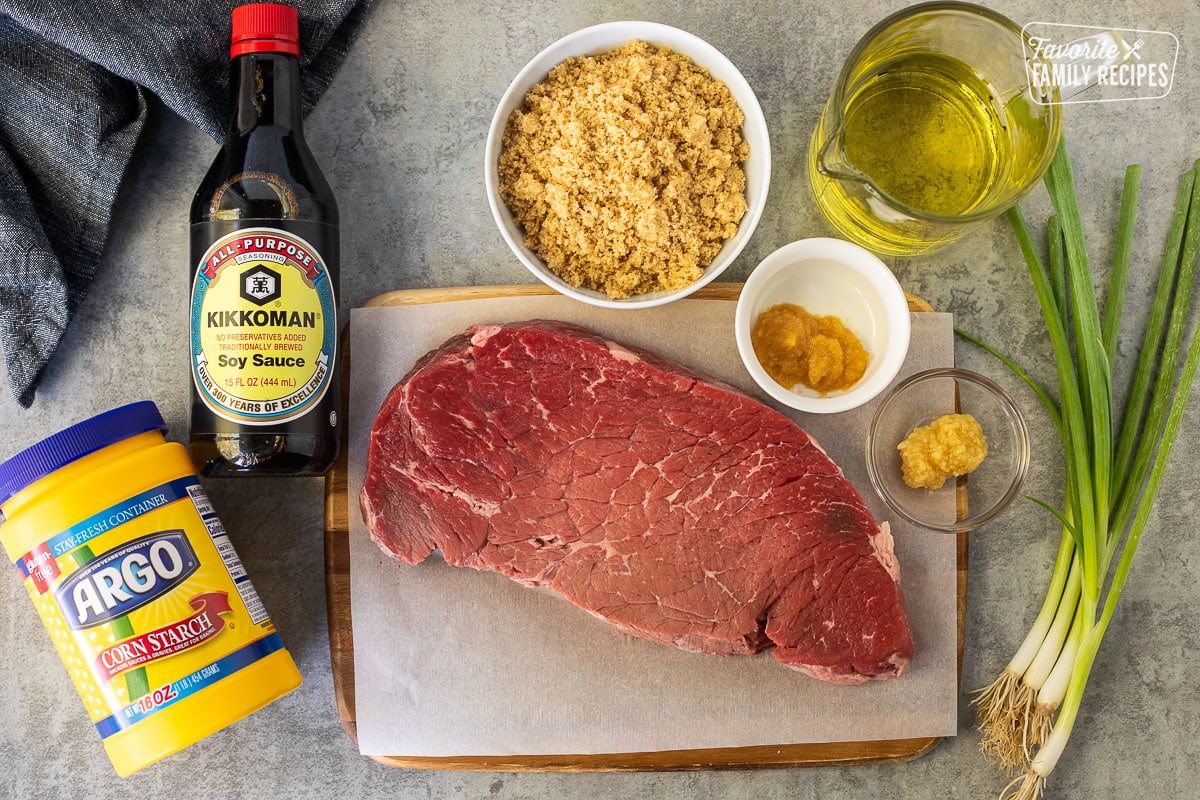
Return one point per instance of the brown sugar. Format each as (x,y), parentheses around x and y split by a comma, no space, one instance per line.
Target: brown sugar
(624,170)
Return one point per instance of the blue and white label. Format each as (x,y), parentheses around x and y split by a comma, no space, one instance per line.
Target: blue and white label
(126,579)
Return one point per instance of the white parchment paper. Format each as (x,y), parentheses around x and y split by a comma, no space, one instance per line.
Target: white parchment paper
(453,662)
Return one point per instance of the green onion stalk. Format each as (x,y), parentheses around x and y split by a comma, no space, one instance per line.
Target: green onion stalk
(1114,462)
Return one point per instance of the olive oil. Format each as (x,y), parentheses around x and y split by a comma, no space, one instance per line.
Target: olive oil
(925,138)
(928,134)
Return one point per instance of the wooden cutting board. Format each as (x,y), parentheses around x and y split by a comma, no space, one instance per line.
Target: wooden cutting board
(341,631)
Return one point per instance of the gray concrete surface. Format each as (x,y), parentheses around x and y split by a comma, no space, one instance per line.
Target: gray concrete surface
(400,134)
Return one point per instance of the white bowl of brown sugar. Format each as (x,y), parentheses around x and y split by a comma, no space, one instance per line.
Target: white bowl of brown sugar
(627,164)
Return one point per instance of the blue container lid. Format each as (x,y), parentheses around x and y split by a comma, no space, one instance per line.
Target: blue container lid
(55,452)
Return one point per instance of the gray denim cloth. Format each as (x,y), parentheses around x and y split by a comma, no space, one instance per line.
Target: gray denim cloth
(73,83)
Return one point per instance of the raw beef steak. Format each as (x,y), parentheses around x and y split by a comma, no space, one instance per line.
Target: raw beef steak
(672,506)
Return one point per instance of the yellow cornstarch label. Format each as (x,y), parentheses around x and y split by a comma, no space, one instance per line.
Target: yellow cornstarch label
(263,327)
(147,603)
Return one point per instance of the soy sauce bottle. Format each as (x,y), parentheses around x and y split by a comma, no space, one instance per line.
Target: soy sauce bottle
(264,252)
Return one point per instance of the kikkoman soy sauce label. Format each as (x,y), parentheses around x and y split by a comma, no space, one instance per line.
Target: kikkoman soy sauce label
(264,327)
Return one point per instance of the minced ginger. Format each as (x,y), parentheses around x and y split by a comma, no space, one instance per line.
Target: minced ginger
(625,170)
(795,346)
(948,447)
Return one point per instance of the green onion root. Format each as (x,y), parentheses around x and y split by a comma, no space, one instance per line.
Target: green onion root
(1003,708)
(1029,786)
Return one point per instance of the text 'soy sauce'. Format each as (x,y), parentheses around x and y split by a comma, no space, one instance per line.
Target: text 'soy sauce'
(139,586)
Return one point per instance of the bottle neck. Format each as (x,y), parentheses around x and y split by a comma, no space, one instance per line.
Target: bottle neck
(267,87)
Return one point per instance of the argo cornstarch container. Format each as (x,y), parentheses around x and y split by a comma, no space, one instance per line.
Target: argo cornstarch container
(139,586)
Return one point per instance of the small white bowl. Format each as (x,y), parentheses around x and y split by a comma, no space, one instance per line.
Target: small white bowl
(829,277)
(602,39)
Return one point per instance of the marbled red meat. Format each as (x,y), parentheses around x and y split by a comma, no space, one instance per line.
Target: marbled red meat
(671,505)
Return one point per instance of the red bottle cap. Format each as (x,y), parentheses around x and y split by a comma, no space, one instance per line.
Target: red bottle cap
(265,28)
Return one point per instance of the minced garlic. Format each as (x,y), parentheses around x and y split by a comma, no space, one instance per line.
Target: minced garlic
(949,446)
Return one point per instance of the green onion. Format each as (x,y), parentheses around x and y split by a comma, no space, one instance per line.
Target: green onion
(1113,468)
(1119,275)
(1144,371)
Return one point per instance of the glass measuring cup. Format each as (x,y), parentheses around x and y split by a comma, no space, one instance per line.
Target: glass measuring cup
(932,125)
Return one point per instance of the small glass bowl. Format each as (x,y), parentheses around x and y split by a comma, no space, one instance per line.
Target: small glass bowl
(919,400)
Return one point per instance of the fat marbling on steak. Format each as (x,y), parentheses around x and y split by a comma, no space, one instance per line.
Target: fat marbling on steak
(673,506)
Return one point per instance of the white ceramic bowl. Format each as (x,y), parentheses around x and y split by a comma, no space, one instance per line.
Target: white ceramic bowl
(829,277)
(601,39)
